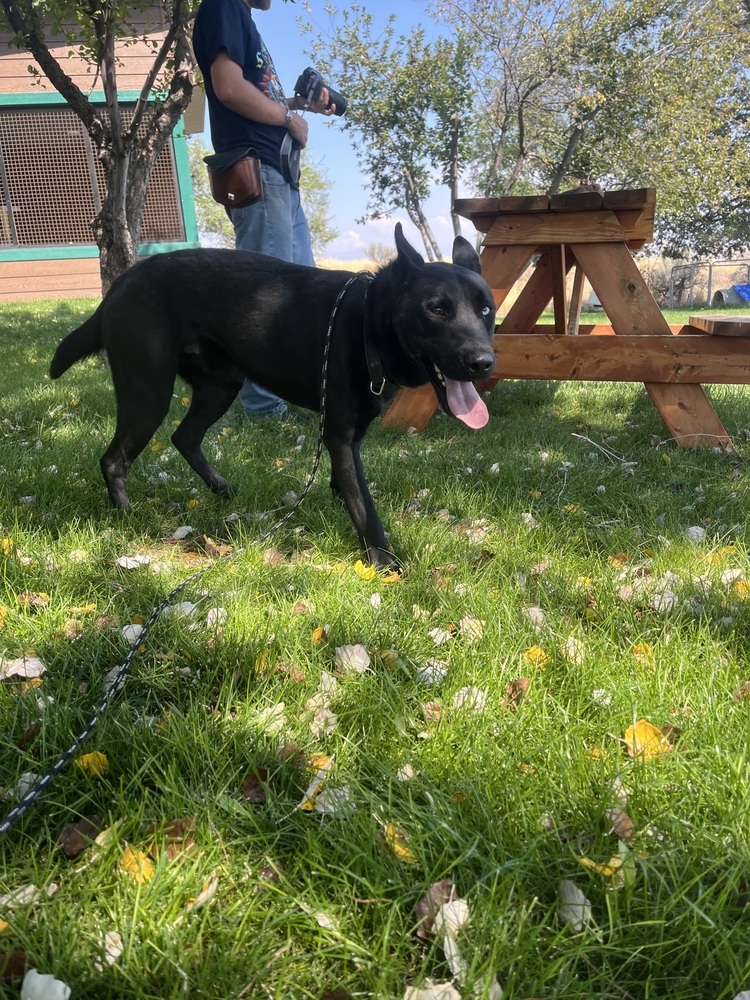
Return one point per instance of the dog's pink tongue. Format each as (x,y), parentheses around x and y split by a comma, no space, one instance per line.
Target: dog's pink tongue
(465,403)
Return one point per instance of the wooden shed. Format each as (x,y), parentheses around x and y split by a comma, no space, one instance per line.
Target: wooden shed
(51,182)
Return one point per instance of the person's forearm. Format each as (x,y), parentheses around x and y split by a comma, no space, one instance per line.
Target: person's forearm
(241,96)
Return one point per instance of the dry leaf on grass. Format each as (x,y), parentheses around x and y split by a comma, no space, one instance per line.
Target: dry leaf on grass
(515,692)
(645,742)
(352,659)
(111,949)
(573,909)
(254,786)
(395,838)
(13,966)
(436,991)
(25,667)
(426,908)
(76,837)
(95,764)
(137,865)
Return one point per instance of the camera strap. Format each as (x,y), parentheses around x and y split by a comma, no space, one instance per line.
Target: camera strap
(289,161)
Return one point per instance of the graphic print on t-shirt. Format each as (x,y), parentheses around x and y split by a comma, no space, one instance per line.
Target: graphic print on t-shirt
(268,81)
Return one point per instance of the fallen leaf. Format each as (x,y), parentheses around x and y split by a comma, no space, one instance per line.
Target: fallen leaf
(471,628)
(216,551)
(323,766)
(645,741)
(95,764)
(206,894)
(30,599)
(364,572)
(36,986)
(472,699)
(573,651)
(352,659)
(535,656)
(25,666)
(427,907)
(515,692)
(574,909)
(644,654)
(395,838)
(133,562)
(76,837)
(173,839)
(111,948)
(13,966)
(436,991)
(137,865)
(620,824)
(254,786)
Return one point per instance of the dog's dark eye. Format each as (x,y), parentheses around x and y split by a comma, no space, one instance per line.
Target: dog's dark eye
(437,310)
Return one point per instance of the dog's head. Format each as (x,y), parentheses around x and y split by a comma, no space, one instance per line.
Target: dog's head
(444,316)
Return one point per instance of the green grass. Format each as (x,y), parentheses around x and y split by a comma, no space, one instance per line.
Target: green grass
(569,495)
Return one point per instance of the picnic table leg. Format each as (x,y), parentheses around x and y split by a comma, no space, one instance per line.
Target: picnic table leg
(627,301)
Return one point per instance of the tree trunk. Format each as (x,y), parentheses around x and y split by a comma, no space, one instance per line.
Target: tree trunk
(417,216)
(453,180)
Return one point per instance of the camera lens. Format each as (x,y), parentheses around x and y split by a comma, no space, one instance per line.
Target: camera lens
(339,100)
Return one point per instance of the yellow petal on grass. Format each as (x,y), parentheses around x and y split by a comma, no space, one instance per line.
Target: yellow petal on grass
(620,559)
(6,546)
(322,766)
(3,614)
(741,589)
(644,654)
(395,838)
(320,635)
(611,872)
(95,764)
(83,610)
(5,927)
(364,572)
(645,741)
(536,656)
(192,504)
(572,508)
(157,446)
(137,865)
(392,576)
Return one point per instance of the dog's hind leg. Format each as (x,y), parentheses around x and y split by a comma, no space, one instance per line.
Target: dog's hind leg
(140,410)
(211,400)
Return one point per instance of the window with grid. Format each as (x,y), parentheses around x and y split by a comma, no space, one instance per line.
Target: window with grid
(51,183)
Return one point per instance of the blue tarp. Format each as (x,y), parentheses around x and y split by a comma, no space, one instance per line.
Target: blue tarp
(743,291)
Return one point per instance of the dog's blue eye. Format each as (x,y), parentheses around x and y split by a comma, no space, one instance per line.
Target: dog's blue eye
(486,311)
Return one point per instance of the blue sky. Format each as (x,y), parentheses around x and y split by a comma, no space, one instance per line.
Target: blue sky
(330,146)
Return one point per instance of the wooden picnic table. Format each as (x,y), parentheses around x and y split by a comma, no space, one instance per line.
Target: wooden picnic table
(593,234)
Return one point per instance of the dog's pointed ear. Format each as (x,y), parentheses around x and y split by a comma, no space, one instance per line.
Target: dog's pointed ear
(405,249)
(465,255)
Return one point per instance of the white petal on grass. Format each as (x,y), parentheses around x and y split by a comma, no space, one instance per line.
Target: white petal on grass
(664,601)
(133,562)
(352,659)
(185,608)
(437,991)
(182,532)
(473,699)
(406,773)
(535,615)
(24,784)
(574,908)
(111,948)
(216,617)
(132,634)
(529,521)
(433,672)
(335,801)
(37,986)
(602,697)
(206,894)
(24,667)
(440,636)
(695,534)
(730,576)
(376,600)
(271,719)
(471,628)
(450,918)
(328,684)
(324,722)
(573,650)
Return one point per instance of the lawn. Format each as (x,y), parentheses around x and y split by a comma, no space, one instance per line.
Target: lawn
(551,708)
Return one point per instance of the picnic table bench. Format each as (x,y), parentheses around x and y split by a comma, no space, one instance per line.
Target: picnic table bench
(593,233)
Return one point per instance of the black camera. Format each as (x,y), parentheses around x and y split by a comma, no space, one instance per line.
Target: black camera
(309,86)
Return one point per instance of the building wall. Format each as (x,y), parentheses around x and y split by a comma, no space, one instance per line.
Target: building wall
(53,182)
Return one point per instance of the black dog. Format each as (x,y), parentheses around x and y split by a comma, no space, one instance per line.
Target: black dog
(216,316)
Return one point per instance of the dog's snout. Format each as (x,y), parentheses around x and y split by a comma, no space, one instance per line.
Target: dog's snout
(482,364)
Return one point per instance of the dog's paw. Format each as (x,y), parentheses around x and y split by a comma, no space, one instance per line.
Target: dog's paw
(225,489)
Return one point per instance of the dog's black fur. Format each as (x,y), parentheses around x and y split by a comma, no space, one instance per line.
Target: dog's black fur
(217,316)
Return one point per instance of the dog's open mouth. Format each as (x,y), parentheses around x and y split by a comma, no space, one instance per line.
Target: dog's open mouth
(458,398)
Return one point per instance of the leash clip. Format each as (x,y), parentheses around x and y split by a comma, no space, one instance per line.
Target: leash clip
(377,392)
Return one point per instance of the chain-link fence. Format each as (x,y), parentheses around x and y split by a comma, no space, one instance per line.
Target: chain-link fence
(709,283)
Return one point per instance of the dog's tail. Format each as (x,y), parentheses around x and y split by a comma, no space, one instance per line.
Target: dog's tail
(81,343)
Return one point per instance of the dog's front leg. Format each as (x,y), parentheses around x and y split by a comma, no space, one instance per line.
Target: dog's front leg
(348,479)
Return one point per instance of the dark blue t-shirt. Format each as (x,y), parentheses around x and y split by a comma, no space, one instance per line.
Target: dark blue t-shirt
(228,26)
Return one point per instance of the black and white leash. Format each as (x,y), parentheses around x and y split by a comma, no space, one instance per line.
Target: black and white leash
(38,789)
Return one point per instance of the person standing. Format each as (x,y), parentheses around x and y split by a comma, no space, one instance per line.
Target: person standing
(247,107)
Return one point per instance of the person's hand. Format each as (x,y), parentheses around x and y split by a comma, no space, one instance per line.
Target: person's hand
(320,107)
(298,128)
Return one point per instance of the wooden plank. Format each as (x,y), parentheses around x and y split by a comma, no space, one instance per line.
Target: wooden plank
(624,295)
(576,201)
(411,408)
(533,299)
(576,301)
(559,227)
(629,198)
(502,267)
(683,360)
(558,274)
(722,326)
(690,418)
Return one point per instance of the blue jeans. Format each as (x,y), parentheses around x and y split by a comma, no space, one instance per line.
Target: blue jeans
(275,225)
